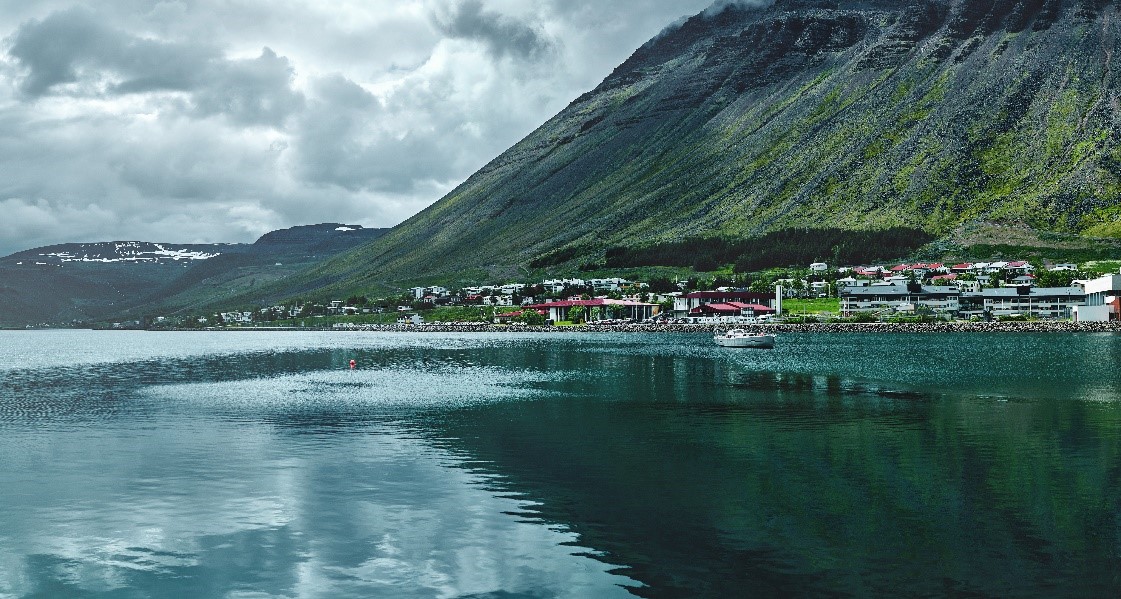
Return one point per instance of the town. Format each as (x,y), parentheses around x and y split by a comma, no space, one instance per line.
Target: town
(906,292)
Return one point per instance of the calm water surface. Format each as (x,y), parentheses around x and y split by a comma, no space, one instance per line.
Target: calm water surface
(137,464)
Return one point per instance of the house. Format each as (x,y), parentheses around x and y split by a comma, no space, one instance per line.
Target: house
(1064,266)
(684,304)
(731,309)
(1103,299)
(498,300)
(853,282)
(939,299)
(612,284)
(559,285)
(962,268)
(973,285)
(410,319)
(1041,302)
(421,292)
(819,267)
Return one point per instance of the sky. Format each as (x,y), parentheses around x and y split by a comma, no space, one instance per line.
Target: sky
(203,121)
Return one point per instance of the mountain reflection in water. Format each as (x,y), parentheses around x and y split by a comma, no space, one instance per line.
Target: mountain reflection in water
(561,465)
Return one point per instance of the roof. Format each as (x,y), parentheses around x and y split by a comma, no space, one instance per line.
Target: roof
(731,307)
(599,301)
(727,295)
(962,266)
(1033,292)
(900,290)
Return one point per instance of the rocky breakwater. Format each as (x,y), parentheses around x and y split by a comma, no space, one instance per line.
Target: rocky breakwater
(1041,326)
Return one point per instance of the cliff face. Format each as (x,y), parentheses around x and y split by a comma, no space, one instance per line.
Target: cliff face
(808,113)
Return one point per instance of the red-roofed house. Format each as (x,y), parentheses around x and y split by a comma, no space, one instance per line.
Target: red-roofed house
(731,309)
(683,305)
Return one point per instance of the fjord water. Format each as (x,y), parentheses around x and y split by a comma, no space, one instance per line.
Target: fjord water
(139,464)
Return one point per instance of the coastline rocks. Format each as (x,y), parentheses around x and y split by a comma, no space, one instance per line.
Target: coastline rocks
(847,327)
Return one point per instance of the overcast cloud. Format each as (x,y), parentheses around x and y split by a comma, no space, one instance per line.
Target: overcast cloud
(220,120)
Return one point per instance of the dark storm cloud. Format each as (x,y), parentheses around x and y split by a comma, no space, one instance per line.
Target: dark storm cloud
(73,47)
(218,120)
(503,36)
(720,6)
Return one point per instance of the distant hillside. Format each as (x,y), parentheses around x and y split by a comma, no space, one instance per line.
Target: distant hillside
(90,281)
(868,115)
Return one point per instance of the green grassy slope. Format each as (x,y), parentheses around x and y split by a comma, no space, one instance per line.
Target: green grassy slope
(861,115)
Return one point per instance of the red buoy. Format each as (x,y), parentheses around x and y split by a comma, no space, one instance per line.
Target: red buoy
(353,364)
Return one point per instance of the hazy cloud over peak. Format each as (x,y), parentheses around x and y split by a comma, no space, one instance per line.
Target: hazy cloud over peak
(219,120)
(503,35)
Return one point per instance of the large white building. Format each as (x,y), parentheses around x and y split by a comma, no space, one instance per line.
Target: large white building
(1040,302)
(1103,299)
(901,298)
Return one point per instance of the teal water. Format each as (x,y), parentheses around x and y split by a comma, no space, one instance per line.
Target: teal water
(138,464)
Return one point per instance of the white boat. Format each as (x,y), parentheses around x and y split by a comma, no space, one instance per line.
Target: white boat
(741,338)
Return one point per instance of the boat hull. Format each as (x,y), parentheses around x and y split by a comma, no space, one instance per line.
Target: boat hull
(756,341)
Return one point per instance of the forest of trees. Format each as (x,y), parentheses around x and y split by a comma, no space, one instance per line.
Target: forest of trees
(780,248)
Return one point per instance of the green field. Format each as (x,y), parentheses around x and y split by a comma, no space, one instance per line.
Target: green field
(791,307)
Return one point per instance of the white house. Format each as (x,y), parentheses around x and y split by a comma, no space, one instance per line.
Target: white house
(853,282)
(612,284)
(498,300)
(819,267)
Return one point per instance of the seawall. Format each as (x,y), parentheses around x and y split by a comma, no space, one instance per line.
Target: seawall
(846,327)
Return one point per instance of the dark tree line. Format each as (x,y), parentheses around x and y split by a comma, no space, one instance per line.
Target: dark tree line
(779,248)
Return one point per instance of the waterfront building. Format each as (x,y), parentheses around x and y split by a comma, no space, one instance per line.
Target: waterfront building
(1103,299)
(1038,302)
(684,304)
(938,299)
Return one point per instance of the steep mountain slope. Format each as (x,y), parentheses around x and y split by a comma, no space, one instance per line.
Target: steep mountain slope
(866,114)
(89,281)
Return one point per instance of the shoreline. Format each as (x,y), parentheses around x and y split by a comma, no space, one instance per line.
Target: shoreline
(847,327)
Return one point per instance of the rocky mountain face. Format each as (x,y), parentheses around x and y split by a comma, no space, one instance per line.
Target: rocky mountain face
(860,115)
(89,281)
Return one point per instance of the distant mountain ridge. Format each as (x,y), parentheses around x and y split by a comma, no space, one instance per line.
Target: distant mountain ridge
(121,252)
(89,281)
(860,115)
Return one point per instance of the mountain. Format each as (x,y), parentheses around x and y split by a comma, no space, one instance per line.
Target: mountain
(90,281)
(924,116)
